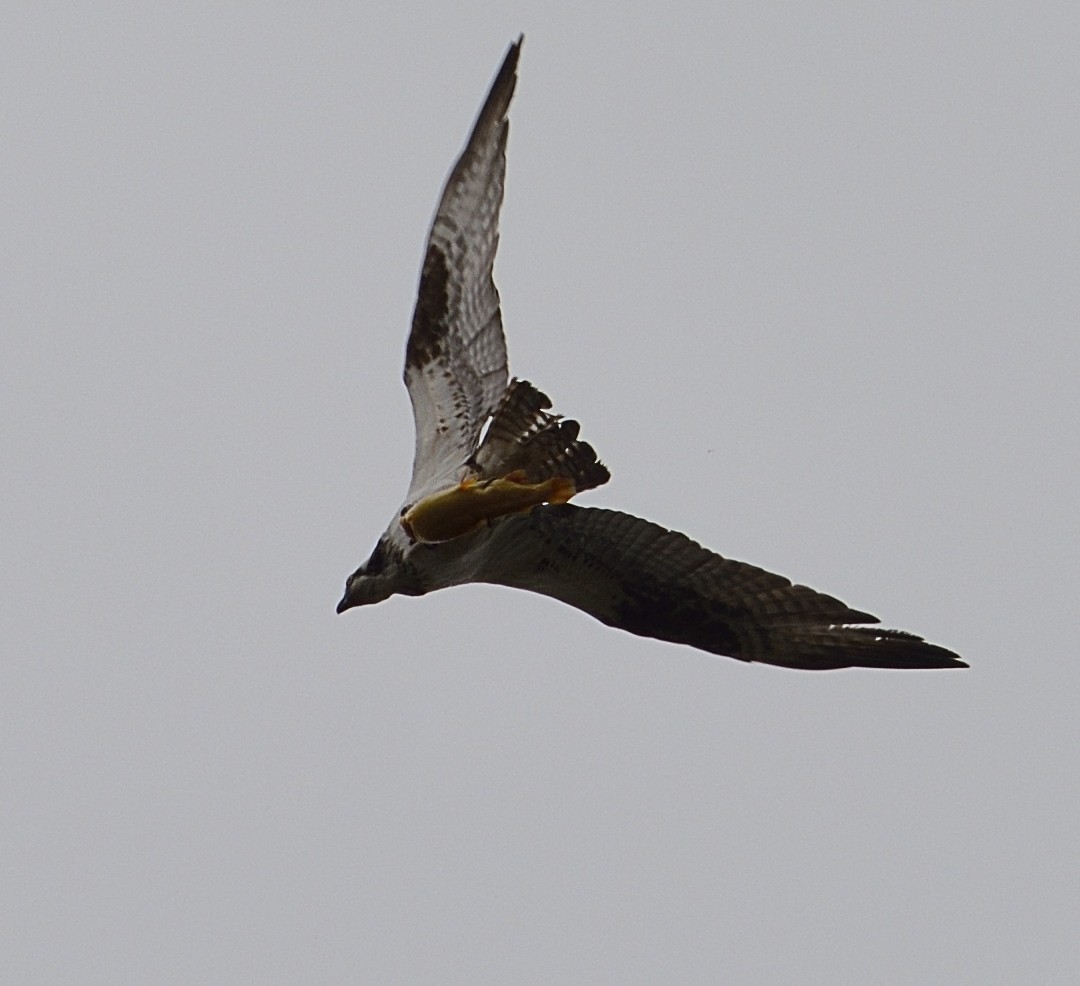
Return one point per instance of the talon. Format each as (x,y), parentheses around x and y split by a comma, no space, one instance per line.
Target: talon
(472,503)
(562,489)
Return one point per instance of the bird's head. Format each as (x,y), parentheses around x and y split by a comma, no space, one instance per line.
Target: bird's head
(384,574)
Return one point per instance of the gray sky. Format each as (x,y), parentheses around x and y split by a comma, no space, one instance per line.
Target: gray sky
(808,276)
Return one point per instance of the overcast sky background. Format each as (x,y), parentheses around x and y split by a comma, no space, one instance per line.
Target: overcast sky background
(808,275)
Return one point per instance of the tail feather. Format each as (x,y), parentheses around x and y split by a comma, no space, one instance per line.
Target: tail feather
(524,435)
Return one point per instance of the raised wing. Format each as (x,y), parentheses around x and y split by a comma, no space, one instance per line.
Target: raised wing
(635,575)
(455,361)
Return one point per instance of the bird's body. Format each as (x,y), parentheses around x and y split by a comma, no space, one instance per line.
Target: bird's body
(493,469)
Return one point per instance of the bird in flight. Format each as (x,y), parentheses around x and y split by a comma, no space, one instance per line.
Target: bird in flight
(494,469)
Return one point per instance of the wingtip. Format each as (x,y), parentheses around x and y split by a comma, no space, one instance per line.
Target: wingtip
(513,53)
(502,88)
(953,660)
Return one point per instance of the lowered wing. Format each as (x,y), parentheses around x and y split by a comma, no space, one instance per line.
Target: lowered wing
(640,577)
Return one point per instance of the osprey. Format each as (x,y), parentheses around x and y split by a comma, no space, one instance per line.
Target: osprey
(494,468)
